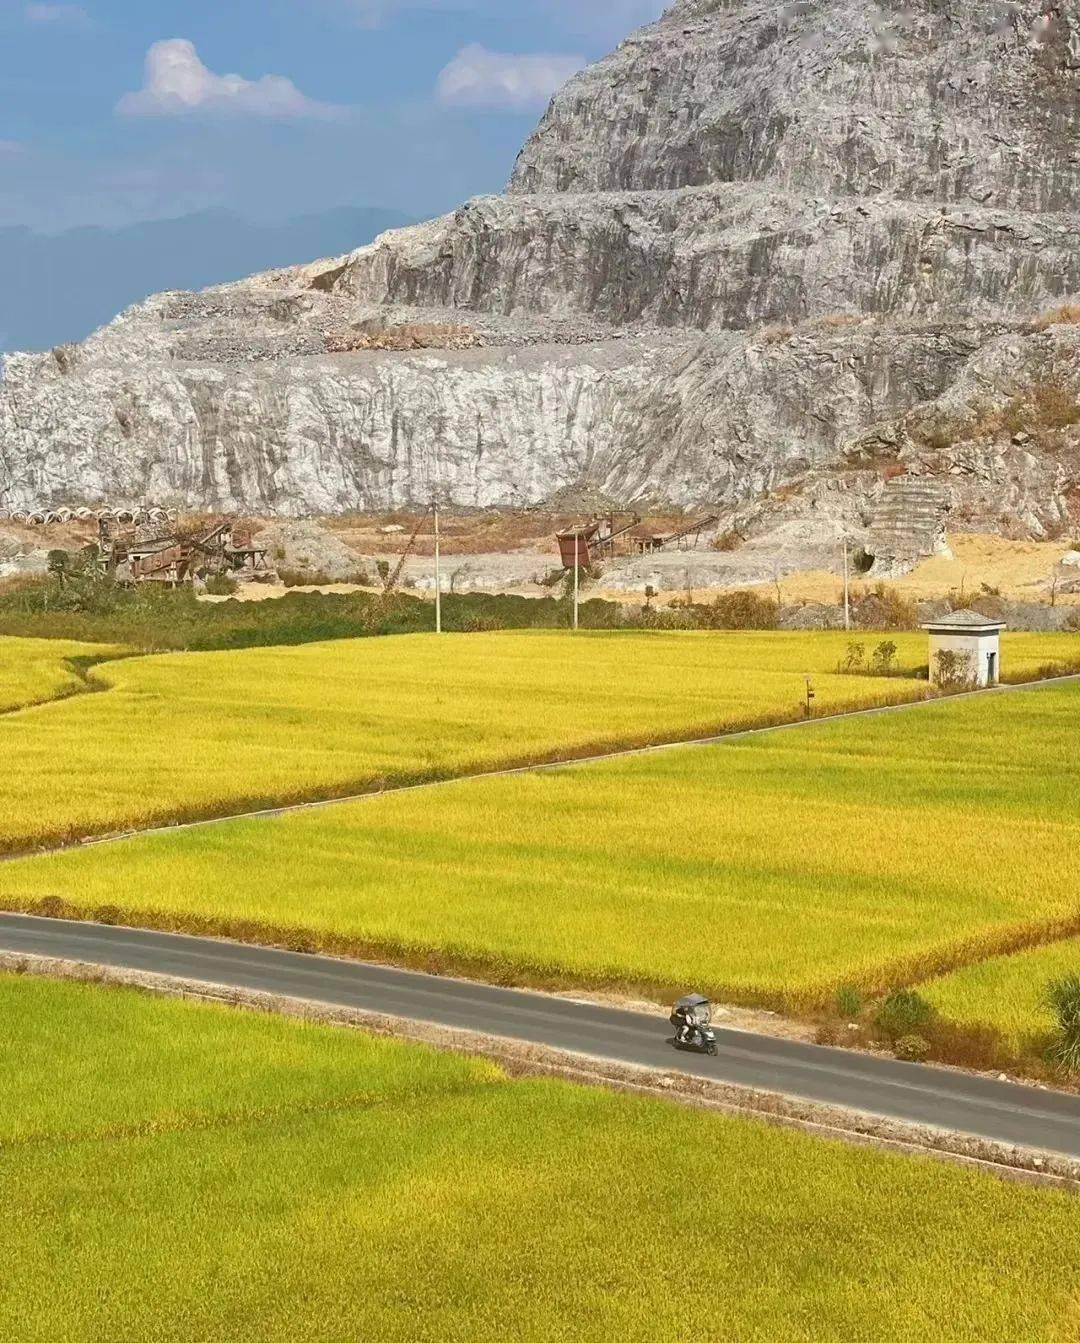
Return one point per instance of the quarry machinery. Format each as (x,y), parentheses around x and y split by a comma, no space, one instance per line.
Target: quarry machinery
(650,545)
(598,539)
(607,538)
(158,552)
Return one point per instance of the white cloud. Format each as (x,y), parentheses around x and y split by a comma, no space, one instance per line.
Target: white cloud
(178,84)
(71,16)
(499,81)
(10,148)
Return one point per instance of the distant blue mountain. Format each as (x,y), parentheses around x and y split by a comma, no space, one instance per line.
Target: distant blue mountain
(59,287)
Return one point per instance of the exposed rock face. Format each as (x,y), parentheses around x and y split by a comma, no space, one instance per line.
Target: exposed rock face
(897,183)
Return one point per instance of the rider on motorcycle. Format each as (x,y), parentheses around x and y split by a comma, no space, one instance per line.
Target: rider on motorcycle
(685,1024)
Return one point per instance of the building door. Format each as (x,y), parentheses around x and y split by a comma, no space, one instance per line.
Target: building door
(991,669)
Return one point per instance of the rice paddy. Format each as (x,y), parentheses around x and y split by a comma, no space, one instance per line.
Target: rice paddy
(174,1172)
(1007,992)
(197,734)
(770,869)
(33,671)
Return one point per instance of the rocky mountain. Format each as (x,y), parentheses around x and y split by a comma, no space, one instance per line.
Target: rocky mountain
(775,258)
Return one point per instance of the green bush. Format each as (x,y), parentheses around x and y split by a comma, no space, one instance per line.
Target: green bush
(904,1012)
(743,610)
(849,1002)
(221,585)
(1063,999)
(912,1049)
(97,610)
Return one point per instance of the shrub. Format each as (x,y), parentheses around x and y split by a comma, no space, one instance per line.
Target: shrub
(1063,999)
(886,609)
(829,1033)
(305,578)
(953,670)
(728,541)
(849,1002)
(742,610)
(855,658)
(221,585)
(1064,315)
(884,658)
(969,1045)
(107,914)
(912,1049)
(904,1012)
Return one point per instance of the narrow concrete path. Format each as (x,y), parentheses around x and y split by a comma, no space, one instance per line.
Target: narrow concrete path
(999,1111)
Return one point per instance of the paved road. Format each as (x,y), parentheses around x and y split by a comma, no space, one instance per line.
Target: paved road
(998,1110)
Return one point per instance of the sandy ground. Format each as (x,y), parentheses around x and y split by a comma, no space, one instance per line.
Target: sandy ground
(1018,569)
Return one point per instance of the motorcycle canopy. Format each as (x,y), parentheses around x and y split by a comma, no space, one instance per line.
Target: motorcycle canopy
(696,1007)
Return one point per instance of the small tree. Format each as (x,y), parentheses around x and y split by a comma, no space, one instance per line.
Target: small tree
(1063,999)
(855,658)
(60,565)
(884,657)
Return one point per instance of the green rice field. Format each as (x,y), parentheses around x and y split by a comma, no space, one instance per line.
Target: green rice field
(178,1173)
(769,869)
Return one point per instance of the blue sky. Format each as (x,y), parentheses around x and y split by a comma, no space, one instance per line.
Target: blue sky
(119,110)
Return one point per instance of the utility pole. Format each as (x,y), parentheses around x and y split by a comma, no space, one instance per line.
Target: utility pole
(438,571)
(847,588)
(438,555)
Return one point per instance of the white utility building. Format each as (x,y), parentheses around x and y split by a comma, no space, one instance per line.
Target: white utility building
(965,647)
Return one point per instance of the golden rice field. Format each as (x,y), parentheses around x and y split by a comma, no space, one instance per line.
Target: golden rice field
(767,869)
(185,735)
(1007,991)
(35,670)
(196,734)
(175,1173)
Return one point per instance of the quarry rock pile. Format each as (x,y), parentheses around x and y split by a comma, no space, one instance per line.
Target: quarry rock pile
(765,258)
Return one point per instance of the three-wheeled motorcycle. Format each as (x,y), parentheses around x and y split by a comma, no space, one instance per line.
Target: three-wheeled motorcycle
(691,1016)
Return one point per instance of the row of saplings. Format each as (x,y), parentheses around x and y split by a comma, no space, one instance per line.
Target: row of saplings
(907,1024)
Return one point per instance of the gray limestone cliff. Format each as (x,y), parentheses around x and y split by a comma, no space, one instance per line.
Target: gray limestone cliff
(765,257)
